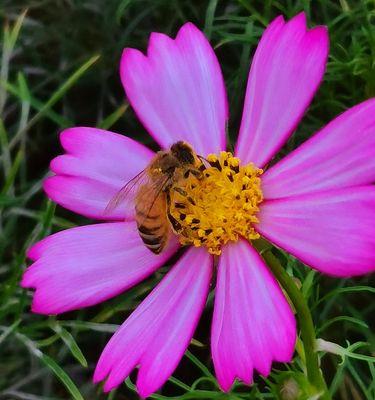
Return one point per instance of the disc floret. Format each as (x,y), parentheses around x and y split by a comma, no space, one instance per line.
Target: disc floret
(218,206)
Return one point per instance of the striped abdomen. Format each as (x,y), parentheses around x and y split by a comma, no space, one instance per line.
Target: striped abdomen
(151,218)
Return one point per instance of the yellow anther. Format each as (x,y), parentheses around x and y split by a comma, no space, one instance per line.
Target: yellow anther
(219,231)
(224,155)
(245,180)
(201,233)
(234,162)
(247,206)
(189,219)
(220,206)
(212,158)
(196,243)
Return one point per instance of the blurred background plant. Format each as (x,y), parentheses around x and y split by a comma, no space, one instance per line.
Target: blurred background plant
(59,68)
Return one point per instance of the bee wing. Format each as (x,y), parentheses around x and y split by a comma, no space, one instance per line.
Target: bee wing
(151,193)
(128,192)
(203,161)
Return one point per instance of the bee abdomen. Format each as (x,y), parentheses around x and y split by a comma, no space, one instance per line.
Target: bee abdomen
(144,230)
(141,213)
(152,223)
(154,243)
(151,240)
(153,237)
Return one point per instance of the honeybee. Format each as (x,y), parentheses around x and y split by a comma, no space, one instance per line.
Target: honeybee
(151,191)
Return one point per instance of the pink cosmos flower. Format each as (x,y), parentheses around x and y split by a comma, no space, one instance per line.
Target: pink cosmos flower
(319,205)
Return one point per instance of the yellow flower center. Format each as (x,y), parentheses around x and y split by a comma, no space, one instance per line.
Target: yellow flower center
(219,205)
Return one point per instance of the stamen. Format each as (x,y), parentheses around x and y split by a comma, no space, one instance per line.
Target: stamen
(219,205)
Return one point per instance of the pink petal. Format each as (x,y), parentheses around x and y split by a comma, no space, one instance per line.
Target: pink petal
(158,332)
(342,154)
(287,68)
(332,231)
(253,324)
(83,266)
(177,90)
(97,165)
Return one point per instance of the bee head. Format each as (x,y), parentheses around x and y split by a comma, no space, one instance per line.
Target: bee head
(183,152)
(165,163)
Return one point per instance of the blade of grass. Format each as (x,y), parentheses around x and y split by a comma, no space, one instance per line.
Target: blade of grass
(56,96)
(23,93)
(10,37)
(114,117)
(49,362)
(12,173)
(72,345)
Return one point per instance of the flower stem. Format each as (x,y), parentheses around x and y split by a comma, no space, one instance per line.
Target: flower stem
(306,325)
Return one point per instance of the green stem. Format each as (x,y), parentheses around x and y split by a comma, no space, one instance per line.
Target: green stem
(306,325)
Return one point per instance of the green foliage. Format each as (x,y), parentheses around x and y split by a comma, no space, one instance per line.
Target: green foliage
(59,68)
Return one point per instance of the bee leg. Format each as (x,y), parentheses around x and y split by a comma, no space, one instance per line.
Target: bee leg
(183,193)
(196,172)
(180,191)
(176,226)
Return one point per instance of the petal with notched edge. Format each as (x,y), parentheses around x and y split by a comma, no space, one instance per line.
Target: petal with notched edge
(86,265)
(177,90)
(253,323)
(287,68)
(157,333)
(97,164)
